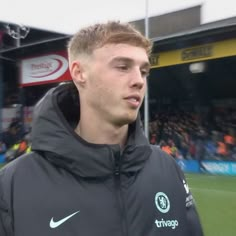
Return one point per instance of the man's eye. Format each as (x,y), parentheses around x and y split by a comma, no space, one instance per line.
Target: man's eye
(123,67)
(145,73)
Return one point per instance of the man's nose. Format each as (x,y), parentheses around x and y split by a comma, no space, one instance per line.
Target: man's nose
(137,79)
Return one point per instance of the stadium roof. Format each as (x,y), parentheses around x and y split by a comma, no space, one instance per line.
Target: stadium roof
(218,29)
(214,28)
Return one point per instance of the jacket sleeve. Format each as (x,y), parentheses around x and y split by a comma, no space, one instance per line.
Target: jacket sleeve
(195,228)
(5,218)
(194,223)
(2,230)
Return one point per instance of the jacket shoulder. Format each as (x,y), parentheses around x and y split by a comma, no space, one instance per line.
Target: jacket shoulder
(160,154)
(8,172)
(165,161)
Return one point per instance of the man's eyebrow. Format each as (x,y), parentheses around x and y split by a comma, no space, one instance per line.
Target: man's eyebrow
(122,59)
(130,61)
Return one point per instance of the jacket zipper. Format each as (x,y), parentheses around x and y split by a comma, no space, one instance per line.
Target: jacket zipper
(123,215)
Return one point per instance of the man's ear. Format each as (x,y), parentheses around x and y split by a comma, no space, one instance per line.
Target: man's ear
(77,73)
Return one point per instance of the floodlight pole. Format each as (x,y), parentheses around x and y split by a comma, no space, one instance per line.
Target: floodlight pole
(146,103)
(21,94)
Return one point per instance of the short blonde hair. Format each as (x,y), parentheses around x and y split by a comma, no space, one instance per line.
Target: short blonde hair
(96,36)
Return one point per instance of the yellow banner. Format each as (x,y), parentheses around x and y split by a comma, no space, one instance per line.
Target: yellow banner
(202,52)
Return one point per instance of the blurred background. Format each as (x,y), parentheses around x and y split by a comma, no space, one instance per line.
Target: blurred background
(190,107)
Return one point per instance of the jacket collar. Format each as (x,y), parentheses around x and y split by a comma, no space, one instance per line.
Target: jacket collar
(55,117)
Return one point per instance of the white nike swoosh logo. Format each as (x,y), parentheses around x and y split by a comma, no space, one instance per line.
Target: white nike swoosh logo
(54,224)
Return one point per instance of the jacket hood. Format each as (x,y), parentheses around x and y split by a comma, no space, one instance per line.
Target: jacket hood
(55,118)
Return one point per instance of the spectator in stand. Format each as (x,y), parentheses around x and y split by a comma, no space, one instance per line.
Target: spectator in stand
(210,149)
(165,147)
(222,150)
(2,152)
(3,147)
(11,135)
(19,148)
(192,149)
(174,149)
(183,128)
(229,140)
(153,139)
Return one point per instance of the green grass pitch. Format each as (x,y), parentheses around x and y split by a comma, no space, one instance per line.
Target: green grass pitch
(215,197)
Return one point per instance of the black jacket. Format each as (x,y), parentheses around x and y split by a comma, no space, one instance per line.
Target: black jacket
(68,187)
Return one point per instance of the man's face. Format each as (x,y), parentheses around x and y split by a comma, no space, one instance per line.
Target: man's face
(116,83)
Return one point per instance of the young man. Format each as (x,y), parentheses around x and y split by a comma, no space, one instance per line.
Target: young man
(92,171)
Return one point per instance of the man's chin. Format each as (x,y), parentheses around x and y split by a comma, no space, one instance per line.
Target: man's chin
(128,119)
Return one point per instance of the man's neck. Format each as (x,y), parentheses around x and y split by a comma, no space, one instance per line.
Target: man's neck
(102,133)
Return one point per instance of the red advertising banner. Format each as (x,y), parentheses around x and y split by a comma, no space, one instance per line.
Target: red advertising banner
(44,69)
